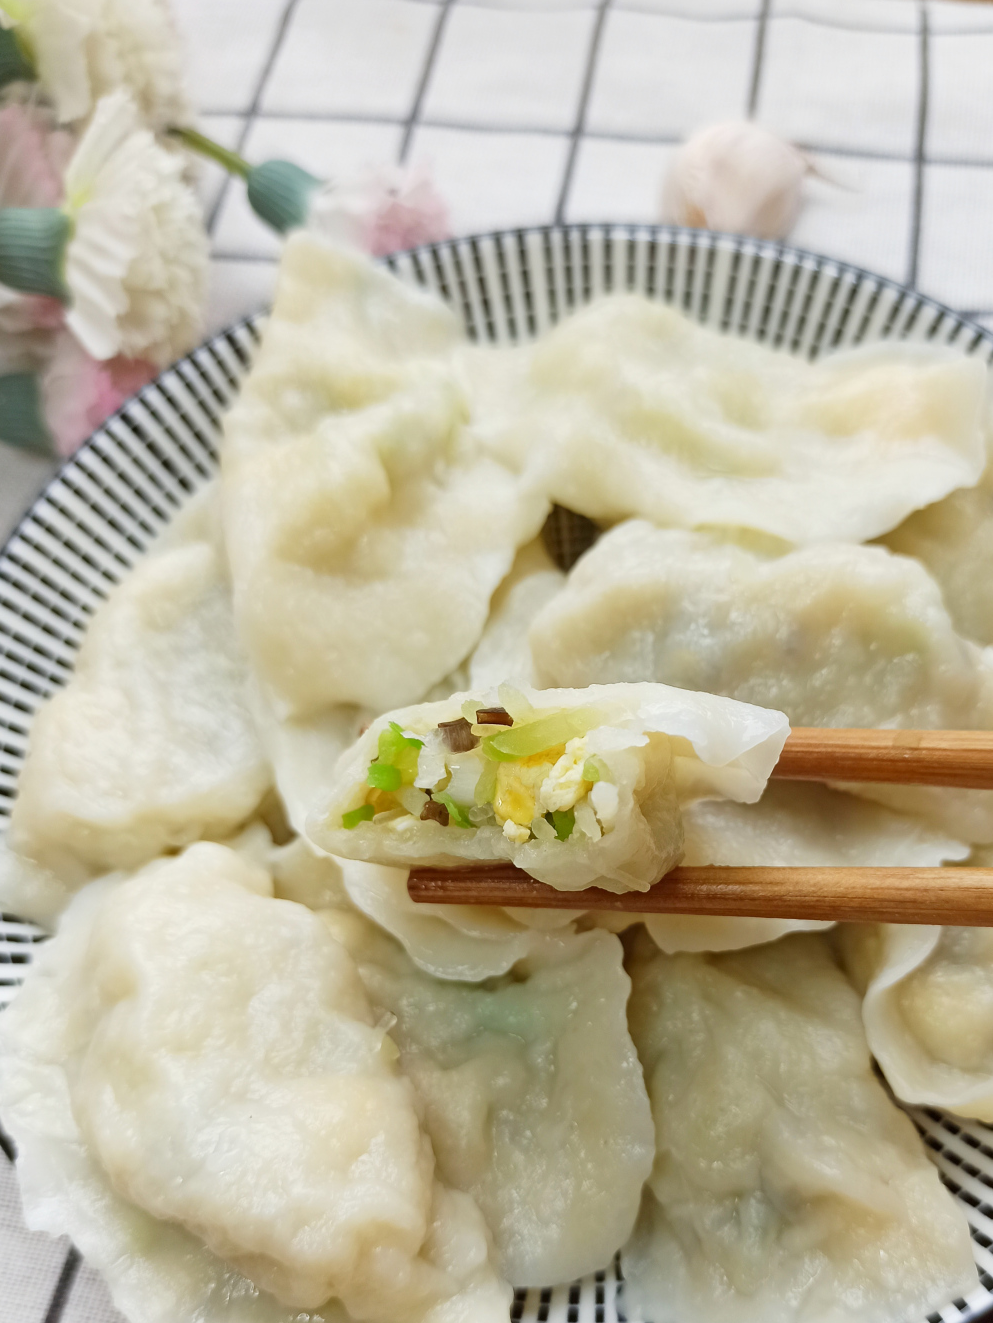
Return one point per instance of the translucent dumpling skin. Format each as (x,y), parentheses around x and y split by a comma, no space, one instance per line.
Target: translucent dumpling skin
(231,1088)
(150,745)
(787,1186)
(533,1095)
(633,409)
(928,1010)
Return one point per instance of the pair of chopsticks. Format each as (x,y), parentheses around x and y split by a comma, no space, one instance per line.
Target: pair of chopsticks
(960,758)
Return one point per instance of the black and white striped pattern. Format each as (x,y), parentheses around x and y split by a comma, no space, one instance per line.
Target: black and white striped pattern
(105,506)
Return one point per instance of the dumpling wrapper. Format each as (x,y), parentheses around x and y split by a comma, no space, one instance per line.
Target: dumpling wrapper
(468,943)
(503,655)
(633,409)
(366,531)
(150,745)
(927,1007)
(202,1099)
(954,540)
(532,1092)
(787,1186)
(661,747)
(795,824)
(831,635)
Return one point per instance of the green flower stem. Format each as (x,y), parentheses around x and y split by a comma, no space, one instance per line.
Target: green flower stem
(204,146)
(33,243)
(15,64)
(22,420)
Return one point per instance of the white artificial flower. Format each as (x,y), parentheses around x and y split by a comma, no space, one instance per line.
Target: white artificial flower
(136,265)
(736,177)
(84,49)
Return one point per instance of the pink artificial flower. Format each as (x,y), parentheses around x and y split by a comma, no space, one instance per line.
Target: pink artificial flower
(31,158)
(79,393)
(383,210)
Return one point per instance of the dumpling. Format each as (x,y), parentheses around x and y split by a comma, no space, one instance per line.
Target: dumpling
(202,1098)
(578,787)
(787,1186)
(150,745)
(928,1010)
(366,531)
(532,1092)
(831,635)
(465,942)
(503,654)
(633,409)
(954,540)
(796,824)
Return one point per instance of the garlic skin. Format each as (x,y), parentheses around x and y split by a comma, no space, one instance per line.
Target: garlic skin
(737,177)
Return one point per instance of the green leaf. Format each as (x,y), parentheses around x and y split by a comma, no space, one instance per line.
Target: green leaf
(362,814)
(383,776)
(15,64)
(33,243)
(22,419)
(563,820)
(456,812)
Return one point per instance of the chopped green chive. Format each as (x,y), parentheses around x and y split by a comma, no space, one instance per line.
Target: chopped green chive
(563,820)
(456,812)
(489,750)
(362,814)
(593,770)
(399,751)
(383,776)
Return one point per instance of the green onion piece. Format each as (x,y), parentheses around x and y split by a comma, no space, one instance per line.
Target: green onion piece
(486,785)
(534,736)
(400,751)
(595,769)
(456,812)
(383,776)
(489,750)
(563,820)
(362,814)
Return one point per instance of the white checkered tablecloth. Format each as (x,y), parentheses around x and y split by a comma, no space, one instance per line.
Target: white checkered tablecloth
(529,111)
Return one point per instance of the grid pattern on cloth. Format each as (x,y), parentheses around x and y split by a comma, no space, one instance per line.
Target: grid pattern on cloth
(533,111)
(101,512)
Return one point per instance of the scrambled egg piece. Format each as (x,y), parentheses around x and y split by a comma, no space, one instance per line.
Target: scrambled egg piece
(564,785)
(515,832)
(518,785)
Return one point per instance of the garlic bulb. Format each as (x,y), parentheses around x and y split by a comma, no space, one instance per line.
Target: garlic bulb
(736,177)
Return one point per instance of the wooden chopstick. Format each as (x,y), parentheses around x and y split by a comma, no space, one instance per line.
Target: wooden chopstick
(961,896)
(962,758)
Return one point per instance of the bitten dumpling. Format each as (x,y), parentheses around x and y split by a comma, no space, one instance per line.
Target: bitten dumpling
(366,531)
(150,745)
(579,787)
(532,1092)
(787,1186)
(927,1007)
(202,1097)
(832,635)
(631,408)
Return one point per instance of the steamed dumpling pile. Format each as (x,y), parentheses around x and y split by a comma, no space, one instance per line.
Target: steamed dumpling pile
(202,1097)
(787,1186)
(261,1085)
